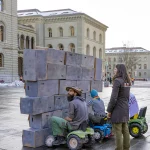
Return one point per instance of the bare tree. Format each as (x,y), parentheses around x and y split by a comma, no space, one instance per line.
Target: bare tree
(129,57)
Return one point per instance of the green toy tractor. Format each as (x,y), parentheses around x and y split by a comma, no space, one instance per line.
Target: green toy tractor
(138,125)
(76,139)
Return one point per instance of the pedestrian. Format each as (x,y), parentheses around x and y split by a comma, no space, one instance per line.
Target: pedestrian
(78,115)
(97,107)
(110,80)
(118,108)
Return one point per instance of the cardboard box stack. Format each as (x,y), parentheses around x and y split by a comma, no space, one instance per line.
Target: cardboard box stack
(47,74)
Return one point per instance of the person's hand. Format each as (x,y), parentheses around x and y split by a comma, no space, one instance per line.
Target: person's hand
(108,115)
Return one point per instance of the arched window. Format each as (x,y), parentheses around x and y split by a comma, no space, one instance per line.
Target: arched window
(20,66)
(145,73)
(145,66)
(50,32)
(94,51)
(87,50)
(1,33)
(1,60)
(109,66)
(88,33)
(50,46)
(109,59)
(139,74)
(22,42)
(100,53)
(72,47)
(60,47)
(1,5)
(100,38)
(72,31)
(61,32)
(94,35)
(27,42)
(114,59)
(32,43)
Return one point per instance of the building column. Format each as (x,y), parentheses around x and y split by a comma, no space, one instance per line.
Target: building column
(24,42)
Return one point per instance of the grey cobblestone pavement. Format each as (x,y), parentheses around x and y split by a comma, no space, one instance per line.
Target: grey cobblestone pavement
(12,122)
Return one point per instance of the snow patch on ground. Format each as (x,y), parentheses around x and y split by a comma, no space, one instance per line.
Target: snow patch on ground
(15,83)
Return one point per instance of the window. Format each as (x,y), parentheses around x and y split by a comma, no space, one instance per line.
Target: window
(109,59)
(109,66)
(100,38)
(61,32)
(60,47)
(145,58)
(145,73)
(72,31)
(22,42)
(88,33)
(32,43)
(50,32)
(139,58)
(139,74)
(114,59)
(1,60)
(94,51)
(140,66)
(134,66)
(1,5)
(1,33)
(72,47)
(145,66)
(87,50)
(50,46)
(100,53)
(94,35)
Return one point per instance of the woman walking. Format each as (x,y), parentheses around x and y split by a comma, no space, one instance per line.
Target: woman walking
(118,108)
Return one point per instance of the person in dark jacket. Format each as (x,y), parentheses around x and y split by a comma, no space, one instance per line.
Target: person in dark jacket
(97,107)
(118,108)
(78,114)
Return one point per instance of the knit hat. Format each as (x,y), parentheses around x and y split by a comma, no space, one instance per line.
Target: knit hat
(94,93)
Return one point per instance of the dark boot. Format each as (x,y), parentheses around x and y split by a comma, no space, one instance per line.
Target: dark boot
(59,140)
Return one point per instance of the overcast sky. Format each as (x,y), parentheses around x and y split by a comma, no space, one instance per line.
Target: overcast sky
(128,20)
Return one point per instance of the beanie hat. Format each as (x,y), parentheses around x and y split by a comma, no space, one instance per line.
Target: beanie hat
(94,93)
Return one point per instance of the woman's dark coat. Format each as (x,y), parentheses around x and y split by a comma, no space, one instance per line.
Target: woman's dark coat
(118,105)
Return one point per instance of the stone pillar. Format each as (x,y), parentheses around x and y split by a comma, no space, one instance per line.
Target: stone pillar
(19,42)
(24,43)
(29,43)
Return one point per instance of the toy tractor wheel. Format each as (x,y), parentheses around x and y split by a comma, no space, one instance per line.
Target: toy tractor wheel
(49,141)
(91,141)
(135,130)
(145,124)
(99,135)
(74,142)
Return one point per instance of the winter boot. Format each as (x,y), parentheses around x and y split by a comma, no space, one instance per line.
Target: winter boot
(59,140)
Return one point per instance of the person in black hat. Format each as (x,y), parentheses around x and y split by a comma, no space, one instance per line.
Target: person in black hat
(78,113)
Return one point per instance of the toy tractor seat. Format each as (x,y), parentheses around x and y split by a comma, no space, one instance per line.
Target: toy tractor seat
(102,122)
(142,112)
(83,126)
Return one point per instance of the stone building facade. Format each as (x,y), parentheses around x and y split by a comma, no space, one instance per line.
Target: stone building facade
(8,40)
(65,29)
(142,68)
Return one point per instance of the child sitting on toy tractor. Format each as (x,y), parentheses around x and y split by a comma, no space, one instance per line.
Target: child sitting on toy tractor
(97,107)
(73,128)
(98,121)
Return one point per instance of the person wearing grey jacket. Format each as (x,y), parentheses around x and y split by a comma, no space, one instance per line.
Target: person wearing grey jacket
(118,108)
